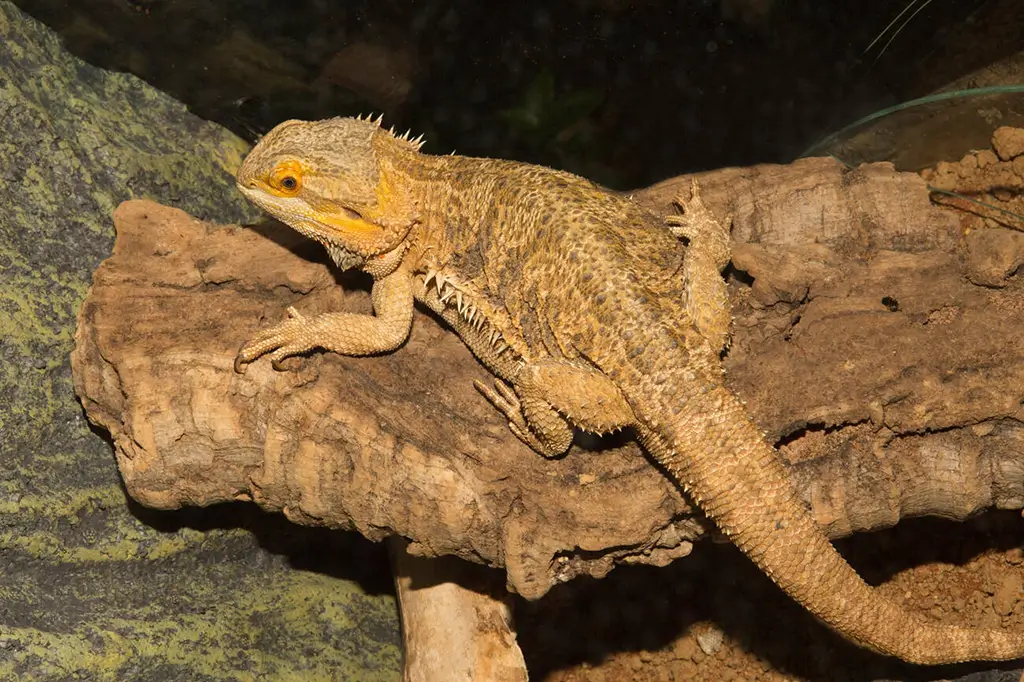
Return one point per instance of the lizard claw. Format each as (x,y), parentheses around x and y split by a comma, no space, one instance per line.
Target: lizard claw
(240,360)
(695,218)
(505,400)
(285,339)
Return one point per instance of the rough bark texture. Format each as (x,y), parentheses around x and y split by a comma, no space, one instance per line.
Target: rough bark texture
(863,343)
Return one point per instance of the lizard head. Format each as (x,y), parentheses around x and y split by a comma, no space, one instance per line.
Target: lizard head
(333,181)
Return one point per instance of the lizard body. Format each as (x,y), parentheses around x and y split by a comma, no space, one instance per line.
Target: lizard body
(590,313)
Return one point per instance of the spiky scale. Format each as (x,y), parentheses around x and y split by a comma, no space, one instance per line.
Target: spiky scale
(431,274)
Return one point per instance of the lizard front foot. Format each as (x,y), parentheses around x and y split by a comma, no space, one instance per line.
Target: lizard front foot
(291,337)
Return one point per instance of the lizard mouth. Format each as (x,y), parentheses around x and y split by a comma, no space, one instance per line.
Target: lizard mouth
(340,229)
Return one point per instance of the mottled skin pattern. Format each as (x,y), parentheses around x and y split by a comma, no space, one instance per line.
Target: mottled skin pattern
(581,303)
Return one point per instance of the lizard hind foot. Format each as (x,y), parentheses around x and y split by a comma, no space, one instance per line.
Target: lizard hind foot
(505,400)
(551,442)
(696,219)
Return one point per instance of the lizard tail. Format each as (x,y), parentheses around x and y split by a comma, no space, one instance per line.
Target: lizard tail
(719,456)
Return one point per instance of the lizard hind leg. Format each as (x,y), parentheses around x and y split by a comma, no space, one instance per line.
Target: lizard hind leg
(707,297)
(547,398)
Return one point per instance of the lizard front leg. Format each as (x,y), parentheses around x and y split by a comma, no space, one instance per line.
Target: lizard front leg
(342,333)
(548,397)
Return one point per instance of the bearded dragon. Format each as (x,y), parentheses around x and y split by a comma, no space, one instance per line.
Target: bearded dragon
(567,293)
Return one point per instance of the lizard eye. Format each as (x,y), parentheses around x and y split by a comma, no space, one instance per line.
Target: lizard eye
(286,178)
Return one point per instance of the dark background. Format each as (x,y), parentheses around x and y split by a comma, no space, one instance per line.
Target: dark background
(626,93)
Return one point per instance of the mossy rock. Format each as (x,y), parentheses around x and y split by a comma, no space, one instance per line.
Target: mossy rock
(93,586)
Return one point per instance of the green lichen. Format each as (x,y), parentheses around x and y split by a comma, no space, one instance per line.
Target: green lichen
(222,635)
(93,588)
(65,504)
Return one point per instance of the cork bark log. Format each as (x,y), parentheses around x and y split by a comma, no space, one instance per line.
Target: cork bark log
(457,622)
(877,340)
